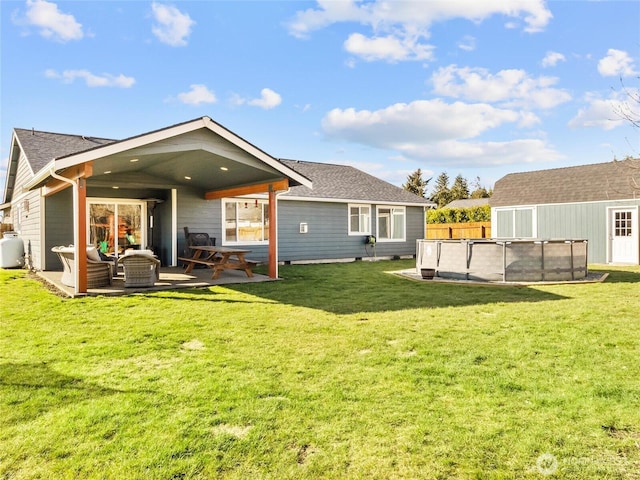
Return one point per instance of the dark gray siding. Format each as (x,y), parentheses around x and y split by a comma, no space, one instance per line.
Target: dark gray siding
(198,215)
(58,221)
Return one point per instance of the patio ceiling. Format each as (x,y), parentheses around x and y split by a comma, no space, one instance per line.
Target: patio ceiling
(201,153)
(201,169)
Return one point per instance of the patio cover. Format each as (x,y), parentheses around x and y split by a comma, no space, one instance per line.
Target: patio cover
(199,153)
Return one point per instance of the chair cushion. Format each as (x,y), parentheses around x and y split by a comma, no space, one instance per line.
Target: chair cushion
(92,254)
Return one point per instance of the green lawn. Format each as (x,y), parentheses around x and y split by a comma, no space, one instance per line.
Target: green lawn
(339,371)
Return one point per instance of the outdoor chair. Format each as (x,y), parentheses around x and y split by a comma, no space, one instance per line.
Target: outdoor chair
(141,268)
(99,272)
(197,239)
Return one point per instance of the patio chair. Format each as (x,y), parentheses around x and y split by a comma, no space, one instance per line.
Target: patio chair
(197,239)
(141,268)
(99,272)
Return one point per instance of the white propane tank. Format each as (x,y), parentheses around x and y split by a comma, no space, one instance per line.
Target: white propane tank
(11,251)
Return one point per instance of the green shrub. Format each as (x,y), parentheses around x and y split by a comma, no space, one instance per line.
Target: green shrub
(459,215)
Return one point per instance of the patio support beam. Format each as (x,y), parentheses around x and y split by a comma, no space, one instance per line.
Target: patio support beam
(56,185)
(81,234)
(273,235)
(282,184)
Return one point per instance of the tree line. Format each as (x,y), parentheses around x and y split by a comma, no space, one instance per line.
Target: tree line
(443,193)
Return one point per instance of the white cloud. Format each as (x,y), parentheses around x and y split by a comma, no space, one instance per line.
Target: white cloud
(601,113)
(389,48)
(551,59)
(616,63)
(510,88)
(92,80)
(268,99)
(53,24)
(172,26)
(399,28)
(438,132)
(197,95)
(468,43)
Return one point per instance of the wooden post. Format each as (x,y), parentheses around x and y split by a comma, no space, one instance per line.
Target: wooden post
(273,235)
(81,234)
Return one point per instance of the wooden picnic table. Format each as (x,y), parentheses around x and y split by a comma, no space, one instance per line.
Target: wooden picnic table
(218,259)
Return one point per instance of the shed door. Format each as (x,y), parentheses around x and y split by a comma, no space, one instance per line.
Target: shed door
(623,235)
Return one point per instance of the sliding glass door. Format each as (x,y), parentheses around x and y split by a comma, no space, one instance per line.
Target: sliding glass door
(116,225)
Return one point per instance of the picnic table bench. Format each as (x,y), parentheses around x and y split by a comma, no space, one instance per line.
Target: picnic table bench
(218,259)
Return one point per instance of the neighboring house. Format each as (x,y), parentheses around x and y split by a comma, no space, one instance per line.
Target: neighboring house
(142,191)
(598,202)
(468,203)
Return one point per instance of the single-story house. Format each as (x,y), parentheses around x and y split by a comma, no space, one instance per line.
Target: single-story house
(467,203)
(597,202)
(142,191)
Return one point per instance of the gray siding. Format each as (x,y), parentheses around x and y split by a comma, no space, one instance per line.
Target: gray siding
(581,220)
(58,221)
(26,215)
(197,214)
(567,221)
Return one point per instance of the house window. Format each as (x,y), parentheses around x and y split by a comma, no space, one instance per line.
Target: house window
(359,219)
(246,221)
(391,224)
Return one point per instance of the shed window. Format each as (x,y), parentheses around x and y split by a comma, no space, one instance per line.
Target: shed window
(359,219)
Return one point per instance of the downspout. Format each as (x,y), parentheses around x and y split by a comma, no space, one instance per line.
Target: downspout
(76,233)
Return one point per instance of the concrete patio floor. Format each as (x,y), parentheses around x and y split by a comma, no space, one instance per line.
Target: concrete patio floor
(171,278)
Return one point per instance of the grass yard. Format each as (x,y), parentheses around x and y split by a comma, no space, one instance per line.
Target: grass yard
(340,371)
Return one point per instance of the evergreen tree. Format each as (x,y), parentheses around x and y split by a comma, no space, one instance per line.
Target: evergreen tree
(478,190)
(416,184)
(441,193)
(460,189)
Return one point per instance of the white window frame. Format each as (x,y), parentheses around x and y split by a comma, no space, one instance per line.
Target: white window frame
(117,201)
(392,211)
(265,209)
(363,229)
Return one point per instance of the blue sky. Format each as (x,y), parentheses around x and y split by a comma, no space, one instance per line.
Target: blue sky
(478,88)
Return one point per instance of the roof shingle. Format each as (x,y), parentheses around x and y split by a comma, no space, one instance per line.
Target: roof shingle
(617,180)
(343,182)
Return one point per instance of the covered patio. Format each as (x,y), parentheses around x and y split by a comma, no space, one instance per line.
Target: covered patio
(175,175)
(171,278)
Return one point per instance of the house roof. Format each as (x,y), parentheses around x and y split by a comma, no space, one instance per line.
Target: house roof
(42,147)
(345,183)
(467,202)
(617,180)
(204,149)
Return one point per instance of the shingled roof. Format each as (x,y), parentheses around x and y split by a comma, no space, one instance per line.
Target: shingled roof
(617,180)
(42,147)
(342,182)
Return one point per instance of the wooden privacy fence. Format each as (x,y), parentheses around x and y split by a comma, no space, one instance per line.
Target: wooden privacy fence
(445,231)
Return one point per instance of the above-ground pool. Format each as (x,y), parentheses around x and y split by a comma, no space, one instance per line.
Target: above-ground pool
(504,260)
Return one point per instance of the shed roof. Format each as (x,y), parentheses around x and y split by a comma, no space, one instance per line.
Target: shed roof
(343,182)
(617,180)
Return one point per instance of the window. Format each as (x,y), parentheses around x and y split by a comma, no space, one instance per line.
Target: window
(359,219)
(246,221)
(391,224)
(116,225)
